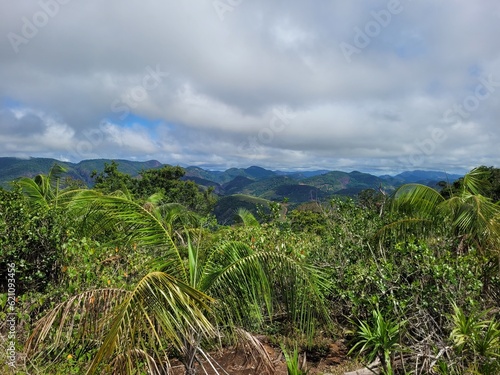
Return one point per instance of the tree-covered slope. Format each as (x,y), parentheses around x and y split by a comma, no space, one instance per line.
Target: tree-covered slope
(13,168)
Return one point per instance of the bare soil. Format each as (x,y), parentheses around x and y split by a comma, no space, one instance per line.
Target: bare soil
(239,361)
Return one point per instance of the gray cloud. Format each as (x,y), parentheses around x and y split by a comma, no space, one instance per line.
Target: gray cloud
(75,82)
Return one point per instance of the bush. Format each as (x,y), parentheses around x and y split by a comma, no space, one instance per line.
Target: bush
(31,239)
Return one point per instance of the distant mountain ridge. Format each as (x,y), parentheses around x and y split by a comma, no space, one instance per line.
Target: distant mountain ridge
(254,181)
(426,177)
(12,168)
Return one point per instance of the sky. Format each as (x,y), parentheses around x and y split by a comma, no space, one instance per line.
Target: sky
(375,86)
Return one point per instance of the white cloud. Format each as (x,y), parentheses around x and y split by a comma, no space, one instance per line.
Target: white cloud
(226,79)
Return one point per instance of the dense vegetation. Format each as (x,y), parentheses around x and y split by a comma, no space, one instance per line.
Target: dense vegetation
(126,276)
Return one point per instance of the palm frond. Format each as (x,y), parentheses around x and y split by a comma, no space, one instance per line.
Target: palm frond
(416,199)
(247,217)
(417,209)
(473,181)
(42,189)
(266,278)
(136,224)
(476,216)
(33,191)
(404,229)
(159,314)
(83,315)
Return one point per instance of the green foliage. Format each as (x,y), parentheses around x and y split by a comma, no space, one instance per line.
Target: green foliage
(292,361)
(470,215)
(165,181)
(270,213)
(399,269)
(31,237)
(412,278)
(88,264)
(310,221)
(172,304)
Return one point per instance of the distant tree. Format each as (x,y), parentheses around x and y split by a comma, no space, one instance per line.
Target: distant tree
(152,181)
(167,181)
(70,183)
(111,179)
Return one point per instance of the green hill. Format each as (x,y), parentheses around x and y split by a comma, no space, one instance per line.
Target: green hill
(226,208)
(317,188)
(266,187)
(13,168)
(237,184)
(343,183)
(252,173)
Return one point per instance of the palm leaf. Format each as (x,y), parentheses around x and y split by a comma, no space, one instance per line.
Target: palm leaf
(247,218)
(475,216)
(82,315)
(266,278)
(416,199)
(43,189)
(136,223)
(474,181)
(160,313)
(33,191)
(404,229)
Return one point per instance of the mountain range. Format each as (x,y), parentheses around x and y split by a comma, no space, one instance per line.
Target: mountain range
(238,184)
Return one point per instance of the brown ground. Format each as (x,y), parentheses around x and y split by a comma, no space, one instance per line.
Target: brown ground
(239,361)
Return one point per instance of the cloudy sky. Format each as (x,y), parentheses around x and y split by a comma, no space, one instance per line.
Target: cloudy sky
(377,86)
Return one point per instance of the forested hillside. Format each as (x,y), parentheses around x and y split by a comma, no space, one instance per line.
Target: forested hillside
(12,168)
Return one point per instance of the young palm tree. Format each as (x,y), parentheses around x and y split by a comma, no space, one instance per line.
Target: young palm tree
(472,217)
(43,190)
(195,295)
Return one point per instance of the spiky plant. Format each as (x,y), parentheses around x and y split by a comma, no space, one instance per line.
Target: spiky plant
(380,339)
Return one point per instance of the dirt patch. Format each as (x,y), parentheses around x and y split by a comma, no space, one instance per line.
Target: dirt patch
(240,361)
